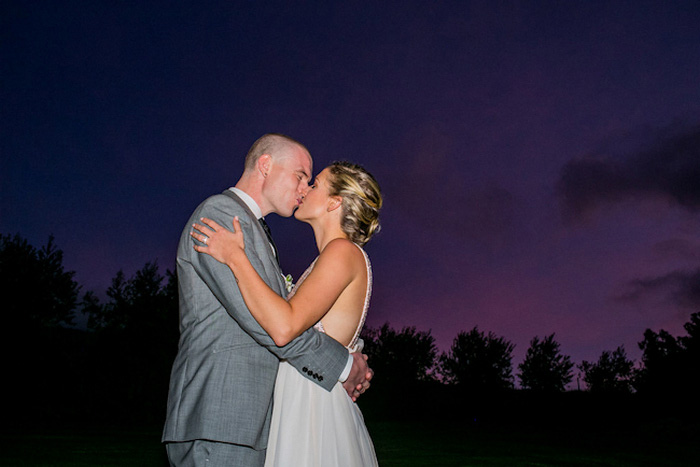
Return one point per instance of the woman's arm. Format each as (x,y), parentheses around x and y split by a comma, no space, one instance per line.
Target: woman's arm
(335,269)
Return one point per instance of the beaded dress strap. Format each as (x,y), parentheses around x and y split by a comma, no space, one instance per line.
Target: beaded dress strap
(368,294)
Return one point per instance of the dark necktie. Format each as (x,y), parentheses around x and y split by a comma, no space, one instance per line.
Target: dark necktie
(266,228)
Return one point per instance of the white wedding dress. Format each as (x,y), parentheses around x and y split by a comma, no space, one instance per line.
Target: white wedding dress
(312,427)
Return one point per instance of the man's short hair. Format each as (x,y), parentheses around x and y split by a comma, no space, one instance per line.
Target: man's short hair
(270,143)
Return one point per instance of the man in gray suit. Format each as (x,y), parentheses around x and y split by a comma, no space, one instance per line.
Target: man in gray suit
(220,397)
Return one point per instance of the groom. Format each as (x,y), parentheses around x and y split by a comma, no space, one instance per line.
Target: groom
(220,397)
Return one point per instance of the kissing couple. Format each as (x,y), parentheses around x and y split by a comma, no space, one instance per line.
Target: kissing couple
(263,375)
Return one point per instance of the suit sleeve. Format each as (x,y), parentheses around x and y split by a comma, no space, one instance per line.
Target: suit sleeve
(315,355)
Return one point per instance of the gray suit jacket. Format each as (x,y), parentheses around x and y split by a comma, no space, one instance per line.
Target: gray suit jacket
(224,372)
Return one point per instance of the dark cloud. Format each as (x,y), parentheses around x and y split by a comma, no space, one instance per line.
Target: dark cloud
(680,287)
(667,168)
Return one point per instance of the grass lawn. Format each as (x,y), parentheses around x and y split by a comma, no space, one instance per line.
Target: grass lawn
(420,445)
(397,444)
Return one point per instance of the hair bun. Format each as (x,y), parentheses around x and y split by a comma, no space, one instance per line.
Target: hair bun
(362,200)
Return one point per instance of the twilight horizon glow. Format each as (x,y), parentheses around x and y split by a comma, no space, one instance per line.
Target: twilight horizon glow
(540,161)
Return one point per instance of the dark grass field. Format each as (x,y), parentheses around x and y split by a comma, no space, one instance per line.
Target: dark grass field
(669,443)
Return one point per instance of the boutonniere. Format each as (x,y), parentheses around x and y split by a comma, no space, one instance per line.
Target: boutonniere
(288,282)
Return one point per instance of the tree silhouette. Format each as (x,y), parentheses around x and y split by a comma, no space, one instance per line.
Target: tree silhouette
(39,298)
(691,344)
(670,364)
(37,291)
(692,327)
(611,373)
(400,357)
(135,338)
(661,362)
(691,358)
(544,368)
(478,362)
(136,305)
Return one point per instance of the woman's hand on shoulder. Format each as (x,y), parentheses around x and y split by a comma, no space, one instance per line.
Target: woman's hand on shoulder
(220,243)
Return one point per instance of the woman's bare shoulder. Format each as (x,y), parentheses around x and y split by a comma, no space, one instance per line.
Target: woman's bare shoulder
(342,250)
(342,246)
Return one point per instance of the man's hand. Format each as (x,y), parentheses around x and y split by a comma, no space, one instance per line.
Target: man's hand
(359,377)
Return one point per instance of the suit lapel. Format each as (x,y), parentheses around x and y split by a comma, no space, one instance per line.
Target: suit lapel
(276,282)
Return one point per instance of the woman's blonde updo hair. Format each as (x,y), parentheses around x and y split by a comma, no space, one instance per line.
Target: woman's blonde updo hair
(362,200)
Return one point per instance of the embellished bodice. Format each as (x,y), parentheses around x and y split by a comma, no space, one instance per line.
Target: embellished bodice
(319,325)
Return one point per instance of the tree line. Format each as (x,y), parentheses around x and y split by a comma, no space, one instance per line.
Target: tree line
(118,368)
(483,361)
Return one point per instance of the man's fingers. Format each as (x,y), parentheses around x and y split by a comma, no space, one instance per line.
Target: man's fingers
(361,388)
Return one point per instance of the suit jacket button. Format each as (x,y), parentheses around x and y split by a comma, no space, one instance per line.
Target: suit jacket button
(305,369)
(320,377)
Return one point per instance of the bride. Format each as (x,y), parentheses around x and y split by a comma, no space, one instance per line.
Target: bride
(310,426)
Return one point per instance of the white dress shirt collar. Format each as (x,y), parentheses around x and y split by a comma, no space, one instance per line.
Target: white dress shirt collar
(250,202)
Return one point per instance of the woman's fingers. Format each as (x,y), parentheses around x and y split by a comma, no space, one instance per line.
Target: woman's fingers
(198,236)
(199,228)
(211,232)
(208,228)
(210,223)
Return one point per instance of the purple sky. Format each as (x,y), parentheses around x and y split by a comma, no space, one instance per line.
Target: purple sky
(540,160)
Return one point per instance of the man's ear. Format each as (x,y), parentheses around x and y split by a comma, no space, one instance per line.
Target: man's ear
(334,202)
(264,164)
